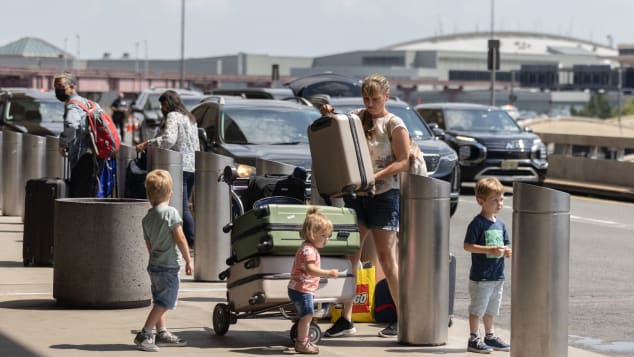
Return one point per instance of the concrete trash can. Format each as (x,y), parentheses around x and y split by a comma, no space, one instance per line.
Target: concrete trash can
(100,259)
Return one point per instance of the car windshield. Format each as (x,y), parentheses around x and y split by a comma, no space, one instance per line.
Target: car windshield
(45,110)
(414,123)
(258,126)
(480,120)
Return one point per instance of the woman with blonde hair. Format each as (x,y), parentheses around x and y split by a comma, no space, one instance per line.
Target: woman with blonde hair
(388,141)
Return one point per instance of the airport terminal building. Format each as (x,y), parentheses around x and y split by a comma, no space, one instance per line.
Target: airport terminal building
(440,68)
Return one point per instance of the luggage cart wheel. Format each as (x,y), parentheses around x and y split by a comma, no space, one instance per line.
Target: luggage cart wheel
(314,332)
(221,318)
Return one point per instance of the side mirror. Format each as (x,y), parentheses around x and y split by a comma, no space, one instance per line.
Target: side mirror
(528,129)
(135,108)
(438,132)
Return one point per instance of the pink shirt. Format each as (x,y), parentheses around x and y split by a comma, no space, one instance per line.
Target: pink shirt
(300,279)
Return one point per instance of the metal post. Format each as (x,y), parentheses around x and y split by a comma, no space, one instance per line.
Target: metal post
(171,161)
(1,176)
(540,271)
(494,54)
(182,71)
(212,212)
(34,151)
(54,162)
(423,261)
(12,162)
(124,156)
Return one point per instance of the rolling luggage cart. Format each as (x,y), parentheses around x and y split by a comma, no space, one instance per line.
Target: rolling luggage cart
(257,285)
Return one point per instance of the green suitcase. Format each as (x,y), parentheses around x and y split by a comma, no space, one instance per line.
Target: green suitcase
(274,230)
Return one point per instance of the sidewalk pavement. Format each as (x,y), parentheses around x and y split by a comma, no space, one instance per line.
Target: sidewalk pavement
(32,325)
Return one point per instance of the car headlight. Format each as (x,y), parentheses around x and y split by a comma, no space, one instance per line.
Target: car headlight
(466,139)
(245,170)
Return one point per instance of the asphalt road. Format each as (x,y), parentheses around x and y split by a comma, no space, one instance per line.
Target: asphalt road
(601,302)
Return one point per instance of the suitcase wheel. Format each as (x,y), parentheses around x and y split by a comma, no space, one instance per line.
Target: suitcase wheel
(314,332)
(221,319)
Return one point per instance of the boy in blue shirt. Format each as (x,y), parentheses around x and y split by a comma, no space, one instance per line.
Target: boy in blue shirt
(488,242)
(163,232)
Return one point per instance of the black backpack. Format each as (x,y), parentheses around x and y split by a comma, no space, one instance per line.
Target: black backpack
(135,177)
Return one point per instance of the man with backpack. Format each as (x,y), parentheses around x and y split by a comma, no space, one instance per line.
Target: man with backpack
(76,140)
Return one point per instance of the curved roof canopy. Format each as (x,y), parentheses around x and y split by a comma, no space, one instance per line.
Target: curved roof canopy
(510,42)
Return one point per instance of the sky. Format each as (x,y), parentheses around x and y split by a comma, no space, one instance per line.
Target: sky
(89,28)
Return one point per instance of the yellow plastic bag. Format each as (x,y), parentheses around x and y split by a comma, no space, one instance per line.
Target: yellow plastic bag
(363,302)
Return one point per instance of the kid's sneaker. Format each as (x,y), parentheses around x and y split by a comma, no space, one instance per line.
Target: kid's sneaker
(497,344)
(476,345)
(168,339)
(145,343)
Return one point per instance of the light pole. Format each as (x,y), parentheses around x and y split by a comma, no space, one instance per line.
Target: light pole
(78,47)
(493,54)
(136,65)
(182,75)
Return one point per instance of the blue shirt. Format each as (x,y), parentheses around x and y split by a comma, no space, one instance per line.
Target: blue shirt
(481,231)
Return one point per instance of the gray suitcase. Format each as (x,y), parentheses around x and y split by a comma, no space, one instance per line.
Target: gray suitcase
(341,159)
(261,282)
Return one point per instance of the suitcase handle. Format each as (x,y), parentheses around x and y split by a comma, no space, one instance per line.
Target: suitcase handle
(321,123)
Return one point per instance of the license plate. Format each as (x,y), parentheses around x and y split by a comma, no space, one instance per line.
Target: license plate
(509,165)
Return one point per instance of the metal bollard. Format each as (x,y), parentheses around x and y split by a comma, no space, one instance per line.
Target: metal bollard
(171,161)
(12,162)
(1,181)
(212,212)
(540,274)
(124,156)
(423,261)
(54,162)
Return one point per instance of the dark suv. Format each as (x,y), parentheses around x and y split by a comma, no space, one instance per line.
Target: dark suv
(488,141)
(31,111)
(250,129)
(146,109)
(441,160)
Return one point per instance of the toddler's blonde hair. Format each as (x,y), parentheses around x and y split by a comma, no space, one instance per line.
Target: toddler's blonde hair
(158,185)
(315,223)
(488,185)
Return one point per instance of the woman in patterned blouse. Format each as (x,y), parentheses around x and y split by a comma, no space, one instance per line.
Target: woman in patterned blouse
(179,132)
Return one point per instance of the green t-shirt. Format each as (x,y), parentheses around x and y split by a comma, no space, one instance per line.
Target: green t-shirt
(158,224)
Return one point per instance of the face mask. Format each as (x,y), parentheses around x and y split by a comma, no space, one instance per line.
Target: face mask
(61,95)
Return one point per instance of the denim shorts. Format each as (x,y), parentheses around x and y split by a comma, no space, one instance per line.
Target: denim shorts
(304,303)
(486,297)
(378,211)
(165,283)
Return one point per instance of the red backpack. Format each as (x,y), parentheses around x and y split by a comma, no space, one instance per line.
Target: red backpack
(103,132)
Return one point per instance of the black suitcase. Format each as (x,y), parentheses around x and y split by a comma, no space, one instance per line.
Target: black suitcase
(39,218)
(273,185)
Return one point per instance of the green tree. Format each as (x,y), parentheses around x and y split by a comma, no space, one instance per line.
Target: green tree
(626,109)
(597,107)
